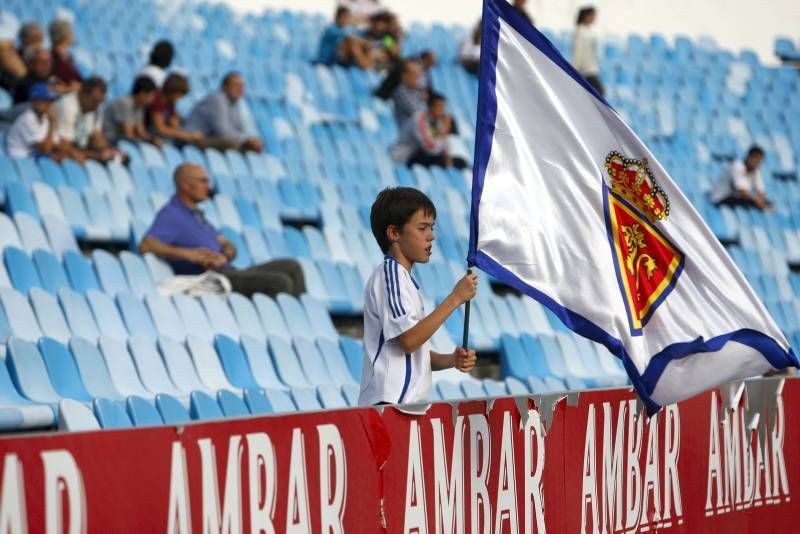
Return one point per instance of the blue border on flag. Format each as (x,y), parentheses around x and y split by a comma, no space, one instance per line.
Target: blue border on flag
(644,383)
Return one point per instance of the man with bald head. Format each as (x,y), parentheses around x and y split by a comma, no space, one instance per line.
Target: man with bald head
(181,236)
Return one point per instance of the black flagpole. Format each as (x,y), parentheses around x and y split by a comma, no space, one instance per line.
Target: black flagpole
(465,340)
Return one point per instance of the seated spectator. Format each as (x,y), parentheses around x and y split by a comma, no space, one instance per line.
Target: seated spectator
(79,123)
(162,115)
(38,63)
(519,5)
(362,10)
(12,60)
(181,236)
(64,69)
(423,138)
(218,117)
(384,35)
(427,60)
(469,54)
(741,184)
(123,118)
(339,46)
(160,59)
(408,98)
(33,132)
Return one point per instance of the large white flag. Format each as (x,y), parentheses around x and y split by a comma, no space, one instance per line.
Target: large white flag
(571,208)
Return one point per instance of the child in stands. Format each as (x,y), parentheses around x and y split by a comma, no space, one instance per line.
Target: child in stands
(398,360)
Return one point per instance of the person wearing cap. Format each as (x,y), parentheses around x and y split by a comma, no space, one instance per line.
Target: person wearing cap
(33,133)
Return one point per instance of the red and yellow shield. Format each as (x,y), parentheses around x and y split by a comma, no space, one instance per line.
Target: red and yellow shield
(646,263)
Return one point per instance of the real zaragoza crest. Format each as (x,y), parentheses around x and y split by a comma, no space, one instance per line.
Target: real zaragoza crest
(646,263)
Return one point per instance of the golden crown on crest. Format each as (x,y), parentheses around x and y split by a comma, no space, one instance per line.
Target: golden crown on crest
(633,180)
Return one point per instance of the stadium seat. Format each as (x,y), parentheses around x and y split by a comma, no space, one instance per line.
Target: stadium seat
(9,237)
(231,405)
(319,317)
(143,412)
(165,317)
(335,362)
(305,399)
(151,368)
(260,363)
(449,391)
(21,270)
(121,368)
(295,316)
(50,270)
(257,402)
(111,414)
(220,316)
(49,315)
(21,320)
(171,410)
(20,200)
(30,233)
(92,369)
(234,362)
(27,370)
(516,387)
(194,318)
(136,273)
(473,389)
(59,235)
(208,365)
(136,316)
(203,407)
(331,398)
(351,393)
(271,318)
(107,315)
(109,273)
(74,416)
(80,272)
(286,364)
(246,316)
(353,350)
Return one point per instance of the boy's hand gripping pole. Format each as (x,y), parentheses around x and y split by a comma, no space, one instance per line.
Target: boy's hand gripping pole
(465,340)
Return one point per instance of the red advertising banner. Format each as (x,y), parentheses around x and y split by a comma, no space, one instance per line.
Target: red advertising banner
(590,462)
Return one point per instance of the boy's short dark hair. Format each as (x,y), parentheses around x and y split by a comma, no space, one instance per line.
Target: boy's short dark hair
(175,84)
(755,150)
(394,206)
(143,84)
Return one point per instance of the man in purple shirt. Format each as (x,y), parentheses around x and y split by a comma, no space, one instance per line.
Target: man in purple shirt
(181,236)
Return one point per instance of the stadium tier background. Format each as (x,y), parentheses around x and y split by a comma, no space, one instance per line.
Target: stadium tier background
(696,104)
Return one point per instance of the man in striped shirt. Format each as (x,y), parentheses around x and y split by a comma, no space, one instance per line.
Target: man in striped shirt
(397,356)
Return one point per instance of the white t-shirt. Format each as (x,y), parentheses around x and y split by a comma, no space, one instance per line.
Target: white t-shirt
(155,73)
(26,132)
(584,51)
(72,123)
(736,178)
(469,51)
(393,305)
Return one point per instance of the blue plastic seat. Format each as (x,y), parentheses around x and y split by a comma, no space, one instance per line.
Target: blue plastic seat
(34,415)
(8,233)
(165,317)
(75,174)
(338,297)
(30,233)
(121,368)
(281,401)
(335,362)
(220,316)
(271,317)
(449,391)
(195,321)
(516,386)
(137,274)
(51,172)
(106,314)
(203,407)
(257,402)
(331,398)
(351,393)
(74,416)
(353,350)
(51,271)
(234,362)
(171,410)
(136,316)
(21,270)
(537,386)
(19,315)
(319,317)
(151,368)
(246,316)
(20,200)
(306,399)
(312,362)
(295,316)
(109,272)
(62,370)
(80,272)
(232,406)
(256,244)
(111,414)
(27,370)
(286,364)
(473,389)
(142,412)
(101,216)
(208,365)
(49,315)
(60,235)
(242,259)
(92,368)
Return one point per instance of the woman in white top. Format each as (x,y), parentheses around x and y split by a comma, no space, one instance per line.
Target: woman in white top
(584,48)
